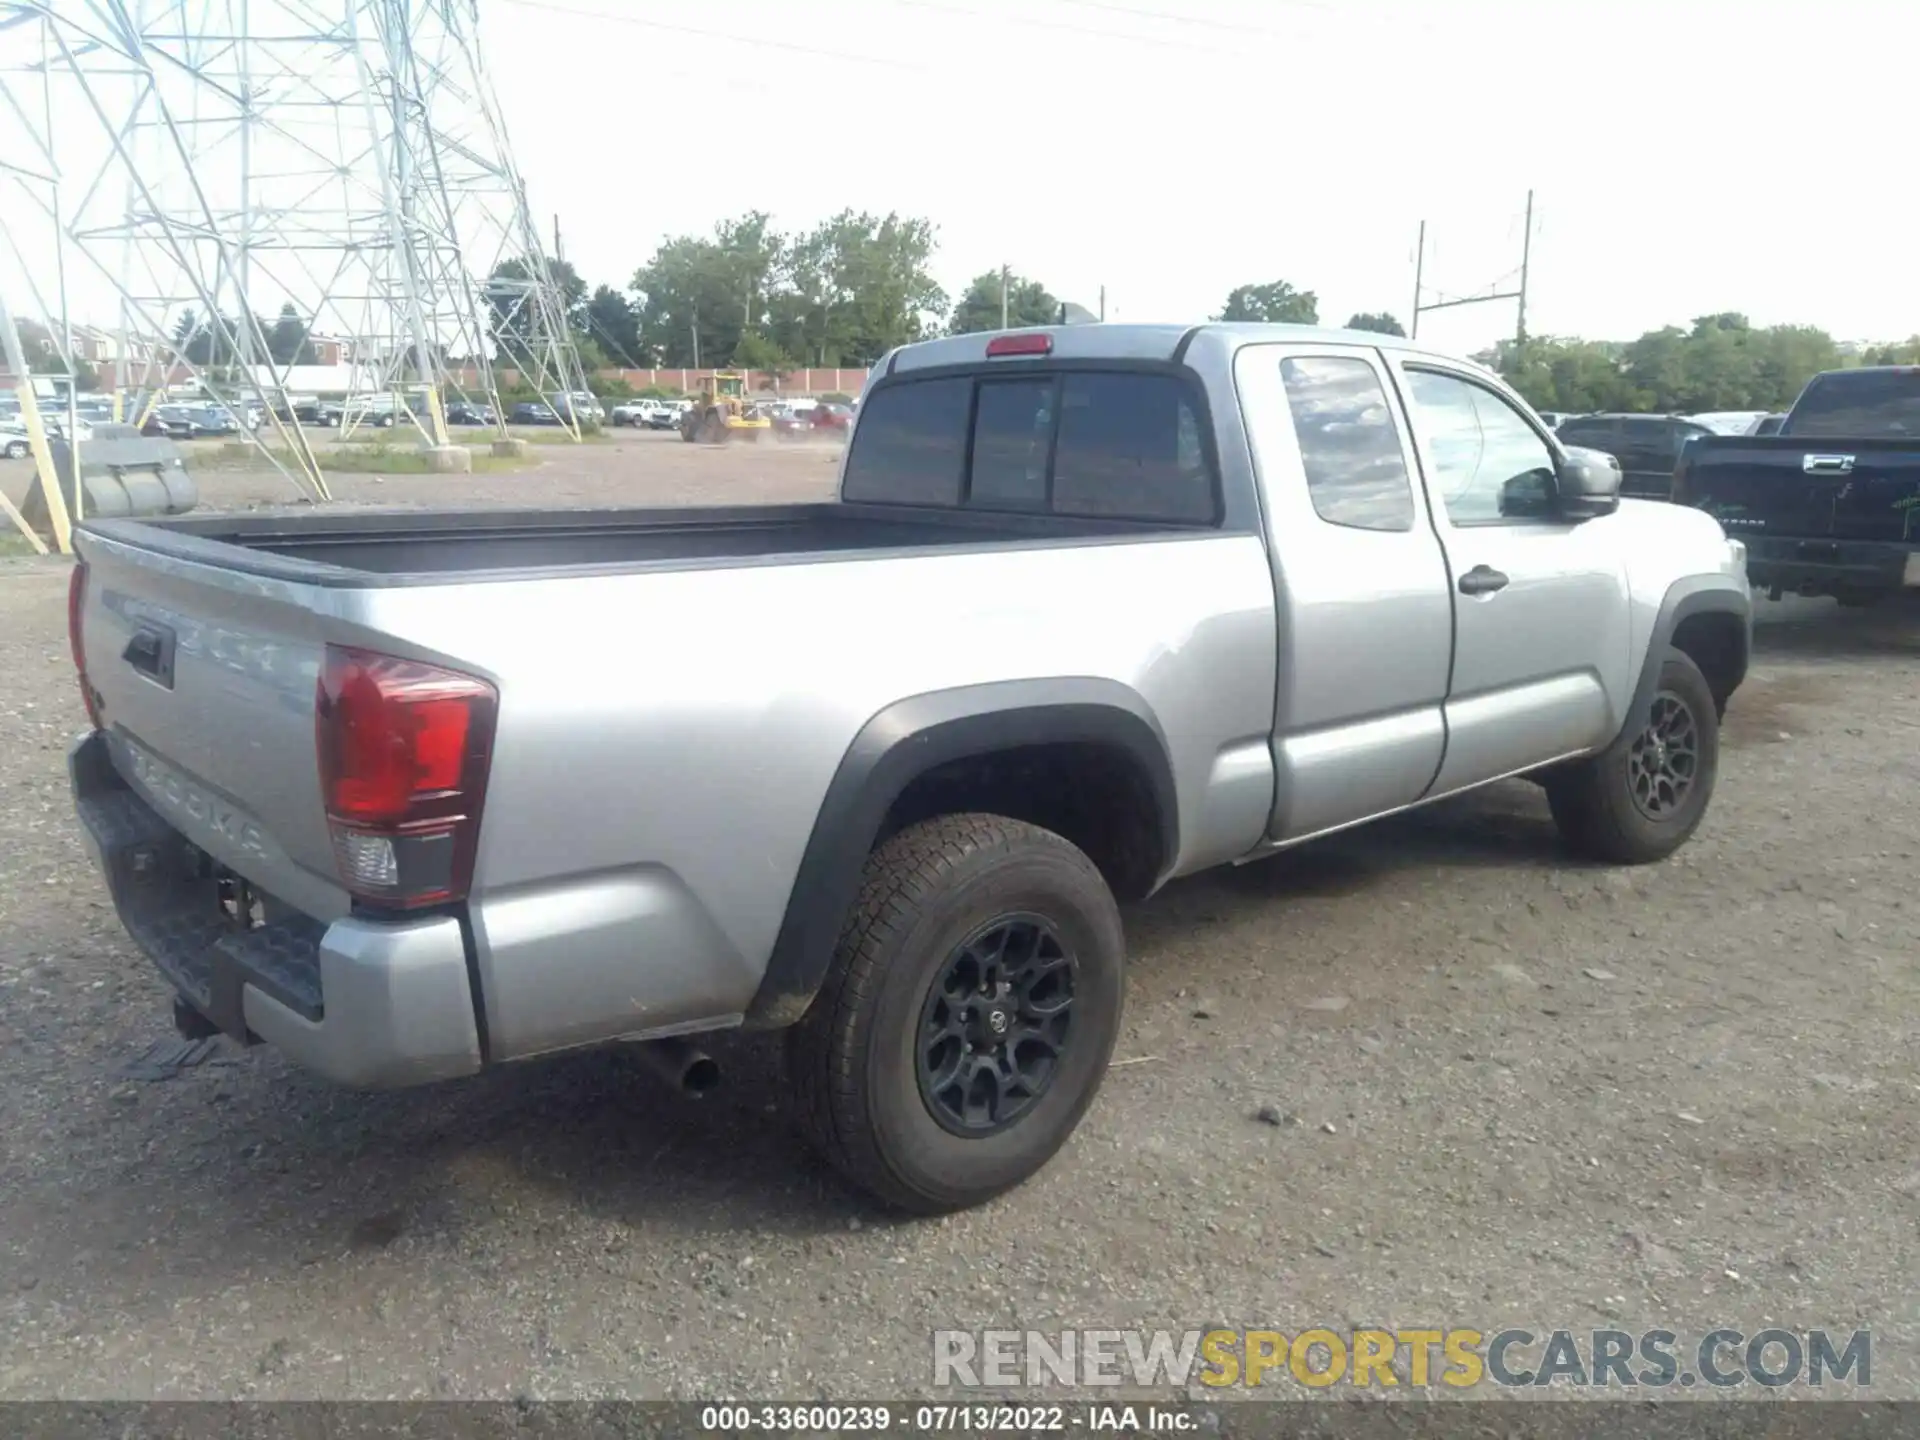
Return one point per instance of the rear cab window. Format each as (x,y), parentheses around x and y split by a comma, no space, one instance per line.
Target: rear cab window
(1858,404)
(1098,443)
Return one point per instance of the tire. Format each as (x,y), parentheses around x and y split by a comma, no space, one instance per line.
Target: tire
(855,1059)
(1594,802)
(16,450)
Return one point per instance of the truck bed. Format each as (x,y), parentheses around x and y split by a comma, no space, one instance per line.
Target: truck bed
(429,546)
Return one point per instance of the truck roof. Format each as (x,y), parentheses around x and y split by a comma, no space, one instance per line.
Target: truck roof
(1126,341)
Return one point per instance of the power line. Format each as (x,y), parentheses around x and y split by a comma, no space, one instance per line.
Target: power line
(730,37)
(1066,27)
(1143,13)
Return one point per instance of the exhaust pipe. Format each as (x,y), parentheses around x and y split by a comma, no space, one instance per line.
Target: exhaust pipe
(689,1070)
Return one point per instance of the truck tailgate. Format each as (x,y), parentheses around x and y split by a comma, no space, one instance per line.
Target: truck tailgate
(1782,485)
(205,680)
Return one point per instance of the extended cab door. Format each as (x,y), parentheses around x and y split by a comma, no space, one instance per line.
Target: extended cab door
(1365,615)
(1540,653)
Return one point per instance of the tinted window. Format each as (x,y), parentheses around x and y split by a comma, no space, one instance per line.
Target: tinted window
(1012,433)
(1648,434)
(1858,405)
(1489,465)
(1349,445)
(1596,434)
(1130,446)
(1769,425)
(910,445)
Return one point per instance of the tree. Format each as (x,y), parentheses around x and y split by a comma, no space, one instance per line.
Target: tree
(512,304)
(1028,302)
(1720,363)
(287,340)
(702,295)
(756,354)
(1274,303)
(1568,374)
(614,325)
(1904,352)
(1378,322)
(856,286)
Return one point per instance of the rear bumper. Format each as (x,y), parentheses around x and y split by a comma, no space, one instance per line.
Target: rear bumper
(1826,567)
(364,1003)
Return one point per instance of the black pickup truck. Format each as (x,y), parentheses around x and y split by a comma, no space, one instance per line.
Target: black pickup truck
(1830,503)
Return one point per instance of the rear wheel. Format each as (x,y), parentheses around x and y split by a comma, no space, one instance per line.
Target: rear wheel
(1643,798)
(16,449)
(968,1016)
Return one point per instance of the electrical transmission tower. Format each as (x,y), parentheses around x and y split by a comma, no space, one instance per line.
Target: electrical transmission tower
(257,184)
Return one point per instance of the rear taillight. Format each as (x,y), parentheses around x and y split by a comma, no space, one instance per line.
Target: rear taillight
(404,749)
(76,606)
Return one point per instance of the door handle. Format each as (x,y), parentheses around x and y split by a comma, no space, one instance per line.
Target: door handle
(1482,580)
(150,652)
(1826,464)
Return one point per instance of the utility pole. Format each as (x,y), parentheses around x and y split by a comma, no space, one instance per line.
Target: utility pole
(1419,265)
(1003,297)
(556,237)
(1103,304)
(1526,255)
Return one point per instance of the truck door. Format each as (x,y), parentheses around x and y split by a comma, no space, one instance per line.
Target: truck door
(1365,617)
(1541,647)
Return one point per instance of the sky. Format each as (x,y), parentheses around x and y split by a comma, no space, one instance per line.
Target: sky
(1684,158)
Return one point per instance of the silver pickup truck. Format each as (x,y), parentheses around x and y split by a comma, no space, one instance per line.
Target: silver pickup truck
(408,795)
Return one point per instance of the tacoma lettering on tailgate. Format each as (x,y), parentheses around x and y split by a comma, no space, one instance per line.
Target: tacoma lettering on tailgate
(168,788)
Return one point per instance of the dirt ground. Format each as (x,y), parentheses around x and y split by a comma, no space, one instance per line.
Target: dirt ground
(1509,1090)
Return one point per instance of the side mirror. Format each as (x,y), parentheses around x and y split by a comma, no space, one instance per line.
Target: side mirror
(1589,484)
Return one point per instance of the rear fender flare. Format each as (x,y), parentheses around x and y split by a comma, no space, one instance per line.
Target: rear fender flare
(902,743)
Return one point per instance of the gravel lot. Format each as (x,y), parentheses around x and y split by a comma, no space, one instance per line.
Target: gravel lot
(1510,1090)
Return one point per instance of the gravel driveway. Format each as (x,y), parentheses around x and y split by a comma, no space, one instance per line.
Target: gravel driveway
(1499,1088)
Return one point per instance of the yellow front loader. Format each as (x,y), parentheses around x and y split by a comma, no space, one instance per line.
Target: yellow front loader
(723,412)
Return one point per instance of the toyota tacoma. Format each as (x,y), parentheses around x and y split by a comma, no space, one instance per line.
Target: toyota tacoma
(412,795)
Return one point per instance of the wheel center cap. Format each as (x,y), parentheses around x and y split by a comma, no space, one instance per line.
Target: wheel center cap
(998,1021)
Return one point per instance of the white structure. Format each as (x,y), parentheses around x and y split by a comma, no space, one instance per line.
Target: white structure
(210,164)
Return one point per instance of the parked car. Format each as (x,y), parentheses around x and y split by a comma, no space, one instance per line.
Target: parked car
(467,412)
(532,412)
(791,419)
(213,420)
(1729,422)
(1096,607)
(57,428)
(632,412)
(14,444)
(667,415)
(585,409)
(1830,503)
(1648,447)
(832,418)
(172,422)
(1769,424)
